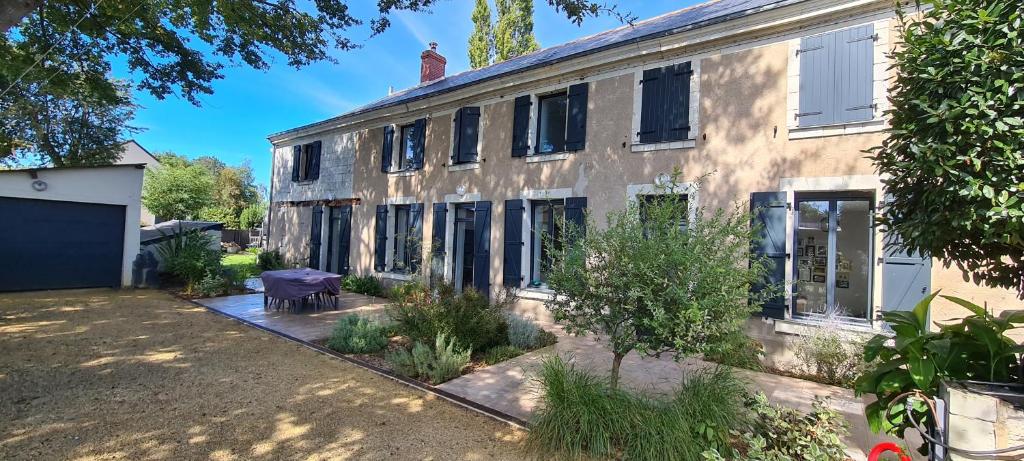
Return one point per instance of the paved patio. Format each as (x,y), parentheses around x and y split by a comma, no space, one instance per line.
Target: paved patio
(308,325)
(511,386)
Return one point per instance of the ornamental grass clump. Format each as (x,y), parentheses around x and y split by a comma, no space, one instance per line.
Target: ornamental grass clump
(441,363)
(581,416)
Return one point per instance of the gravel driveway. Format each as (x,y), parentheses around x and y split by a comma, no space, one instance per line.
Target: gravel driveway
(100,374)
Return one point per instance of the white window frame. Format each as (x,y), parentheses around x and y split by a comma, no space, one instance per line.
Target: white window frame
(453,200)
(689,189)
(526,253)
(694,109)
(389,247)
(879,89)
(792,186)
(532,156)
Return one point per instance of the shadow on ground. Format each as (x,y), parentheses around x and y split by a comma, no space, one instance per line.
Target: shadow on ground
(141,375)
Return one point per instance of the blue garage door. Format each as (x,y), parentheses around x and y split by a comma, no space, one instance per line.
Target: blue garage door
(50,245)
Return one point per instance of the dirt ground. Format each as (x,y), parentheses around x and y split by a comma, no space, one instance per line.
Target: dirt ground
(101,374)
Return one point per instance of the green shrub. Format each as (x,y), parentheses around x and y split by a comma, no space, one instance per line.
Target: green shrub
(468,317)
(211,285)
(740,351)
(522,332)
(442,363)
(362,284)
(780,434)
(546,338)
(582,416)
(830,356)
(270,260)
(189,255)
(501,353)
(405,291)
(356,335)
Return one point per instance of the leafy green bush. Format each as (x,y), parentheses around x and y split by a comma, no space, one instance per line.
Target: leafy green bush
(189,255)
(916,360)
(442,363)
(405,291)
(582,416)
(781,434)
(270,260)
(740,351)
(252,216)
(500,354)
(522,332)
(468,317)
(362,284)
(356,335)
(220,282)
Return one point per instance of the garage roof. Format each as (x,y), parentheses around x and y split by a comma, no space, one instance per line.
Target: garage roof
(694,17)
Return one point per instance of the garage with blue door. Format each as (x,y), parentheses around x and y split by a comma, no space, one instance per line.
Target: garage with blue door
(75,227)
(52,244)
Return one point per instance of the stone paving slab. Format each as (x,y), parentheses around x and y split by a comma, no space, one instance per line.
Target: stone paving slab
(307,325)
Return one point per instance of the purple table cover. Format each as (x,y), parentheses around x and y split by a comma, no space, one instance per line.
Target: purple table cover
(292,284)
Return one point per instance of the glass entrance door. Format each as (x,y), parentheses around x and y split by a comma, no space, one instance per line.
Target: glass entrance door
(462,256)
(832,268)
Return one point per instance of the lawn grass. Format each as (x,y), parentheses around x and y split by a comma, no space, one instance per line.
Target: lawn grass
(242,263)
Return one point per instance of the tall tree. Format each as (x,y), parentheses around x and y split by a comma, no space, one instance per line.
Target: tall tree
(953,158)
(481,43)
(61,109)
(513,33)
(177,191)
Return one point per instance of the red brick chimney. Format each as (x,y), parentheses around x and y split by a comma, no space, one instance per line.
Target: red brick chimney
(431,64)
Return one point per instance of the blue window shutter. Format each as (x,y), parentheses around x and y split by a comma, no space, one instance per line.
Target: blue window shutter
(314,237)
(651,106)
(906,277)
(521,126)
(314,160)
(817,80)
(416,234)
(482,248)
(677,102)
(769,215)
(855,73)
(469,131)
(419,142)
(387,148)
(512,269)
(576,126)
(457,135)
(296,159)
(576,212)
(437,242)
(381,239)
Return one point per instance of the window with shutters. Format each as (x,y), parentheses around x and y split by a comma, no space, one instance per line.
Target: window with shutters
(666,103)
(306,162)
(403,147)
(836,77)
(551,114)
(402,240)
(399,238)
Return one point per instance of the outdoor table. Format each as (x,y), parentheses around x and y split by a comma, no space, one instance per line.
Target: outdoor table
(296,288)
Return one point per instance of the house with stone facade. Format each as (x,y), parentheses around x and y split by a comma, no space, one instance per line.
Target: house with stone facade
(463,175)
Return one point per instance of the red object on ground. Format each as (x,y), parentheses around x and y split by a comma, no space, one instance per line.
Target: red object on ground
(876,452)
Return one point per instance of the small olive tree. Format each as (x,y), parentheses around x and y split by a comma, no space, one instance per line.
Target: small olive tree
(656,280)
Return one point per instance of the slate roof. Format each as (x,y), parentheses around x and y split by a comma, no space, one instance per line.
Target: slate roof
(694,17)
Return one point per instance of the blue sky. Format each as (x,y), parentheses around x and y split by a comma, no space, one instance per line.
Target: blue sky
(247,105)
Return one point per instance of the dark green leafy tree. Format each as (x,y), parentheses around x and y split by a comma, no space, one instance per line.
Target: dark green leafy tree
(954,158)
(178,190)
(481,45)
(65,111)
(649,284)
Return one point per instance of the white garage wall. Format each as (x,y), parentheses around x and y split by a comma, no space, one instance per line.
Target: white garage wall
(113,185)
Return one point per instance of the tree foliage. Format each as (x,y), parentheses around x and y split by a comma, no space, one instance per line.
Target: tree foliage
(513,32)
(648,284)
(481,42)
(231,190)
(176,191)
(64,111)
(954,158)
